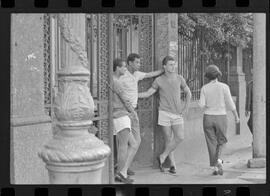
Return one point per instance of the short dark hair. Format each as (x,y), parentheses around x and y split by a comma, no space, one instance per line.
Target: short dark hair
(212,72)
(117,63)
(132,56)
(166,59)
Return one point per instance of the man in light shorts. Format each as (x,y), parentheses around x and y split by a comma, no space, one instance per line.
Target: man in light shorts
(171,109)
(122,109)
(129,83)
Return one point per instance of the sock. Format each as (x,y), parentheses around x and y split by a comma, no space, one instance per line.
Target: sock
(219,161)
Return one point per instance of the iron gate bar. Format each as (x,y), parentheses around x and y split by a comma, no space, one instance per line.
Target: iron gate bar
(110,116)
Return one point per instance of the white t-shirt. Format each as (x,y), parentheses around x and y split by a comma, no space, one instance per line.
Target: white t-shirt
(216,98)
(129,84)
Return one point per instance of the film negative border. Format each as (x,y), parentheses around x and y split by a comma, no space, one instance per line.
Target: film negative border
(136,191)
(130,6)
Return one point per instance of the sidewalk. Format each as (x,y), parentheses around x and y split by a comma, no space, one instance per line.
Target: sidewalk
(235,172)
(236,156)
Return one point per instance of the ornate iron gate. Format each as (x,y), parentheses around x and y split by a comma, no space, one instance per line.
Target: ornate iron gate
(194,57)
(191,60)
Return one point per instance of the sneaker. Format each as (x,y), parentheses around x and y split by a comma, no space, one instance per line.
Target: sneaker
(220,167)
(172,170)
(215,173)
(120,178)
(130,172)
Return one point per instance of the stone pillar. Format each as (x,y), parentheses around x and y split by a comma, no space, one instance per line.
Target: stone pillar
(259,92)
(74,155)
(29,123)
(237,84)
(166,43)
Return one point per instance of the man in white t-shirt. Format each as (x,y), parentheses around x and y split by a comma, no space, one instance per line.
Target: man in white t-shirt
(129,83)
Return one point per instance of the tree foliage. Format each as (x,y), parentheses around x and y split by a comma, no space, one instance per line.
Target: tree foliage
(220,28)
(219,31)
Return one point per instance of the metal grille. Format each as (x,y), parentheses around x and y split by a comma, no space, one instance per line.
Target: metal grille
(103,63)
(191,60)
(47,64)
(146,53)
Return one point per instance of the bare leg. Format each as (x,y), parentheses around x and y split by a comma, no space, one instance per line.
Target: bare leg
(132,149)
(122,137)
(135,130)
(178,137)
(168,137)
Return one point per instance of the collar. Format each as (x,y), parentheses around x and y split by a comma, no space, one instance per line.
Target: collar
(213,81)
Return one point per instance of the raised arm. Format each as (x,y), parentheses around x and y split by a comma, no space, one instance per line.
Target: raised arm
(147,93)
(154,73)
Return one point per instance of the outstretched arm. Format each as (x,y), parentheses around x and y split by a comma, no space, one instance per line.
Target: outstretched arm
(154,73)
(147,93)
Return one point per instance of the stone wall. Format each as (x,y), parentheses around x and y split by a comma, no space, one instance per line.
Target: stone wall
(30,127)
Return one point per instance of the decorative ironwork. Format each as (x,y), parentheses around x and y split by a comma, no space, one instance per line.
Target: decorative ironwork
(191,61)
(47,63)
(123,21)
(146,52)
(103,63)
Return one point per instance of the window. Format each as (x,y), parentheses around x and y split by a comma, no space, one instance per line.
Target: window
(126,38)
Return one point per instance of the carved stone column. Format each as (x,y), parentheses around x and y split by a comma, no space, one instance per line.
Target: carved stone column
(74,155)
(259,92)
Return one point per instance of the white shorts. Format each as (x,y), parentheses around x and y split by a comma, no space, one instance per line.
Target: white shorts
(121,123)
(168,119)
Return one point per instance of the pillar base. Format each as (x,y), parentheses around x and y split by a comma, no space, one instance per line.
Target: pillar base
(75,173)
(257,163)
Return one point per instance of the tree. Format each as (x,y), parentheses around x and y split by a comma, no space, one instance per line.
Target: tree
(219,28)
(219,31)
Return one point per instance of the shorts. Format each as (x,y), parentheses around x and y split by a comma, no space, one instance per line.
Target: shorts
(168,119)
(121,123)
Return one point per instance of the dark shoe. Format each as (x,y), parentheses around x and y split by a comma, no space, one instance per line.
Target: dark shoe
(130,172)
(172,170)
(160,164)
(119,177)
(132,180)
(215,173)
